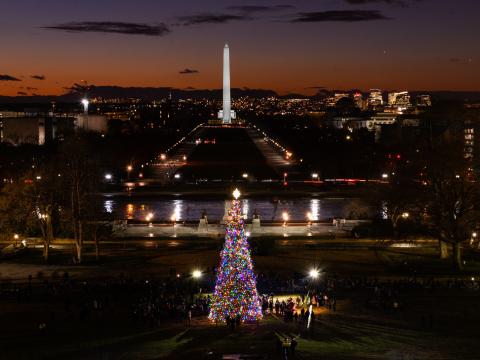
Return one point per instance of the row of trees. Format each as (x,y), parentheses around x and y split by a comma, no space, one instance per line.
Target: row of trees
(58,197)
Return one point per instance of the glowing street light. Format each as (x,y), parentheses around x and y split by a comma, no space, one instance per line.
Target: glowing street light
(163,157)
(85,104)
(314,273)
(129,170)
(149,217)
(309,220)
(108,177)
(285,218)
(173,218)
(405,215)
(384,176)
(245,175)
(196,274)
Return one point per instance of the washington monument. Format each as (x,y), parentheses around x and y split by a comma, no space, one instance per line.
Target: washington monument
(226,114)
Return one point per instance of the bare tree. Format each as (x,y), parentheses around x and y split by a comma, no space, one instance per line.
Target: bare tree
(453,199)
(80,180)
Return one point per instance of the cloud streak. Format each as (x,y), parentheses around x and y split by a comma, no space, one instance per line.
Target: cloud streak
(402,3)
(250,9)
(210,18)
(339,16)
(188,71)
(112,27)
(8,78)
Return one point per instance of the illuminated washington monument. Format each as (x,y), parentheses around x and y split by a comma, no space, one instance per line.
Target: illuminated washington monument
(226,114)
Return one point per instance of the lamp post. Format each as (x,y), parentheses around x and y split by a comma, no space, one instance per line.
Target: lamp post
(285,218)
(173,218)
(314,274)
(196,274)
(309,223)
(149,218)
(85,104)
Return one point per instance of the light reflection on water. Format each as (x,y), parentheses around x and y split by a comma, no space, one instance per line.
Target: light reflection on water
(191,209)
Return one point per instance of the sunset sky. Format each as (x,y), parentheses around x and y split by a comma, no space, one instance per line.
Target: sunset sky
(48,45)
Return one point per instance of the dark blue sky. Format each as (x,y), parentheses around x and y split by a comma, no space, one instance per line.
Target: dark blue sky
(390,44)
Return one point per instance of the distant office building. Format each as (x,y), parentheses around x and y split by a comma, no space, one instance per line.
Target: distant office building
(399,100)
(375,98)
(424,101)
(469,136)
(332,100)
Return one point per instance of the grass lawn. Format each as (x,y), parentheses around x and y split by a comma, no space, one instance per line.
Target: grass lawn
(339,336)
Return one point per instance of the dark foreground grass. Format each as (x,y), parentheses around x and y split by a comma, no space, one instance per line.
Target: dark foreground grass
(331,337)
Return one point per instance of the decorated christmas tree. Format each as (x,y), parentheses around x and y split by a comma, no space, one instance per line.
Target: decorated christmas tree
(236,287)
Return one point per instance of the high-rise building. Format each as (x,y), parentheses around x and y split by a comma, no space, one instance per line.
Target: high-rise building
(332,100)
(375,98)
(424,101)
(399,100)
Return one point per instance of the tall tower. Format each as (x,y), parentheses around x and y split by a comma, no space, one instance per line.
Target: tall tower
(227,105)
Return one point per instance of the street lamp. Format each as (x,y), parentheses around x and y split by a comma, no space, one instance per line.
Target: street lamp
(173,218)
(85,104)
(149,218)
(314,273)
(285,218)
(196,274)
(309,219)
(129,170)
(315,176)
(245,175)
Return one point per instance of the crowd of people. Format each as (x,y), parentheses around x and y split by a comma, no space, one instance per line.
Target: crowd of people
(150,302)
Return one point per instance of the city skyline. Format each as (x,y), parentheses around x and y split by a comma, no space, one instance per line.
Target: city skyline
(339,44)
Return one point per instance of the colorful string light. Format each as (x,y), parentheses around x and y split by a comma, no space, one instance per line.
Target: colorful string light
(236,287)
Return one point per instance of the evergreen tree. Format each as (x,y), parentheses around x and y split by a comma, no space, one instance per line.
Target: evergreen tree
(236,287)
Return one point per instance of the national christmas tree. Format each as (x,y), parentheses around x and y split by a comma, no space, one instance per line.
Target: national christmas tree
(236,287)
